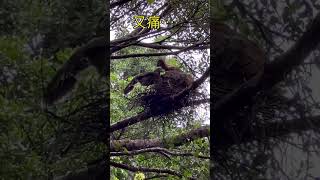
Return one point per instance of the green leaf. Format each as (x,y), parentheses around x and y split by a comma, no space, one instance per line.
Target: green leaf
(139,176)
(150,1)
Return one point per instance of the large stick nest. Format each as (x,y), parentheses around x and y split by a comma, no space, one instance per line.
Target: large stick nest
(157,98)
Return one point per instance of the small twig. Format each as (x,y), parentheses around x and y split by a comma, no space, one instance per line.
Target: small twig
(156,150)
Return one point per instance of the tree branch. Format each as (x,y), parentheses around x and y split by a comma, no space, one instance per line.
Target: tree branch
(192,47)
(278,69)
(118,145)
(274,73)
(277,129)
(284,64)
(157,176)
(194,85)
(133,37)
(156,150)
(94,172)
(163,46)
(119,3)
(130,121)
(143,169)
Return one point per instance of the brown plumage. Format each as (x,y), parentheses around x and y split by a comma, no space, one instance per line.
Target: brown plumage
(175,76)
(161,63)
(145,79)
(176,79)
(156,99)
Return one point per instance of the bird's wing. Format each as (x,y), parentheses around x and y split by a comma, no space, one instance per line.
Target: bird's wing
(145,79)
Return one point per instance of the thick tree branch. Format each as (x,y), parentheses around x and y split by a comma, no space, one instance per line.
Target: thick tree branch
(194,85)
(99,169)
(130,121)
(118,145)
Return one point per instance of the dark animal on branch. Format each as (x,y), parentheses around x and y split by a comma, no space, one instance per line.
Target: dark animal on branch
(145,79)
(163,86)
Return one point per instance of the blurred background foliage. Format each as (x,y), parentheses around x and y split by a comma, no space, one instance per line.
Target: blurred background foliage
(36,38)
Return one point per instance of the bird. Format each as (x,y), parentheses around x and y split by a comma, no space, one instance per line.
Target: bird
(145,79)
(176,77)
(162,63)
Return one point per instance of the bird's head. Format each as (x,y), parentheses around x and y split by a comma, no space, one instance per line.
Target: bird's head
(161,63)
